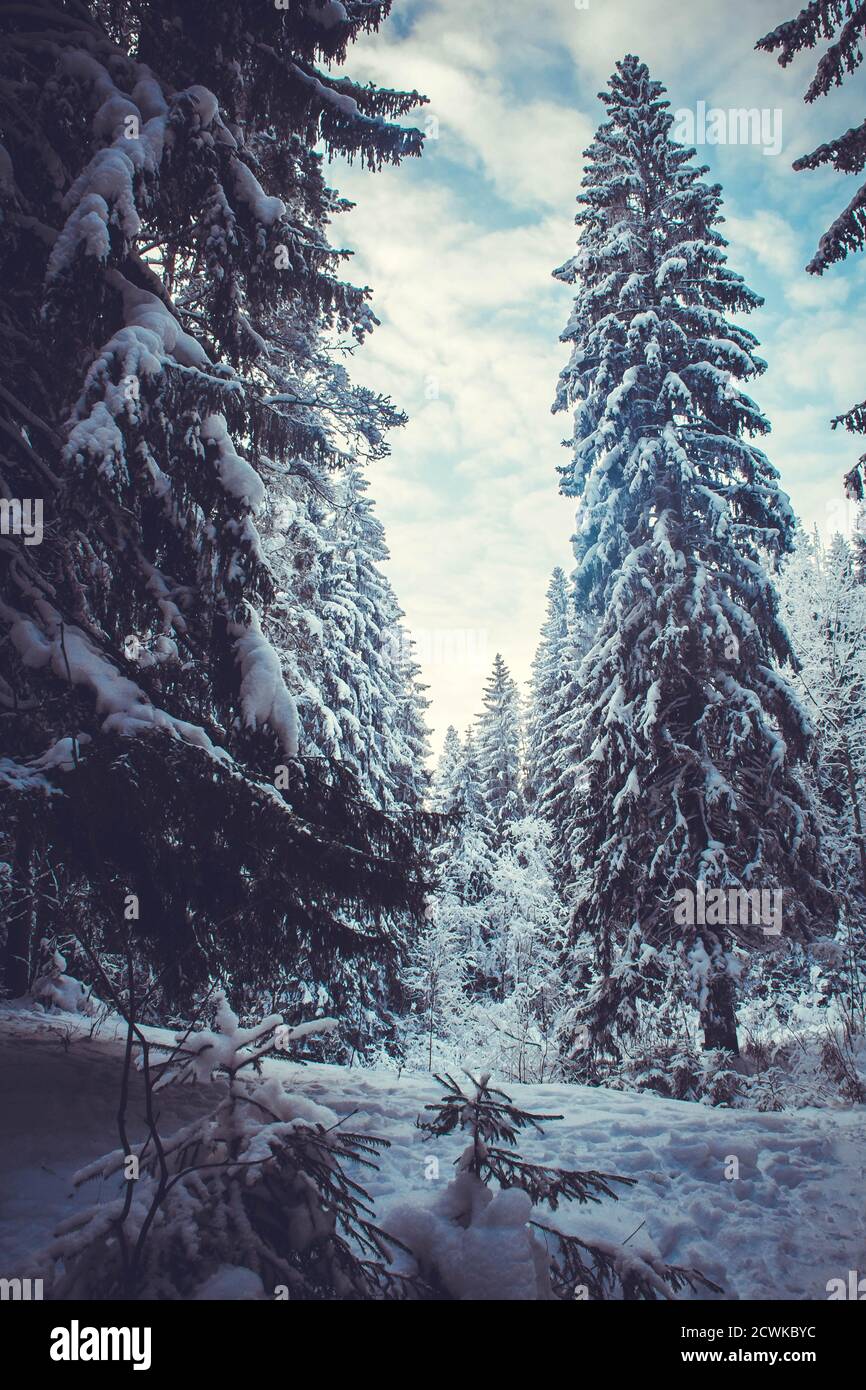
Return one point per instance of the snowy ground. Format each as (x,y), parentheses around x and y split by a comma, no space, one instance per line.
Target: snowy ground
(792,1220)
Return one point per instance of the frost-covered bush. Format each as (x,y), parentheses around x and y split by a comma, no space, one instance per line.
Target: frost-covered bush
(843,1060)
(485,979)
(801,1027)
(253,1195)
(669,1068)
(823,1064)
(505,1034)
(54,989)
(662,1054)
(484,1237)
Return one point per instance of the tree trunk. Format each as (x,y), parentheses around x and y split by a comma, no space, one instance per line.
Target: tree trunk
(718,1016)
(19,930)
(720,1032)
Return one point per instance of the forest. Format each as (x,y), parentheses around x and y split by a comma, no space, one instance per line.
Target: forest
(581,942)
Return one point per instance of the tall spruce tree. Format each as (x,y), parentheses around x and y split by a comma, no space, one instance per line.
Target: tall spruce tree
(369,676)
(549,671)
(524,946)
(335,622)
(171,376)
(554,717)
(824,607)
(446,778)
(499,740)
(464,854)
(685,769)
(409,772)
(843,22)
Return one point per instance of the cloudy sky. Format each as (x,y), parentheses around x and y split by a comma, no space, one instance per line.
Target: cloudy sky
(459,247)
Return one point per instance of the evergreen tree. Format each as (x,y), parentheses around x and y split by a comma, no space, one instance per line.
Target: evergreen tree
(436,984)
(411,778)
(446,965)
(369,679)
(393,762)
(449,770)
(486,967)
(464,856)
(562,739)
(522,956)
(172,376)
(554,718)
(486,1237)
(298,544)
(256,1187)
(499,736)
(824,607)
(685,770)
(346,656)
(470,856)
(549,672)
(843,22)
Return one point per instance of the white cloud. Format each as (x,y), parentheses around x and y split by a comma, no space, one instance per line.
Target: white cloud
(469,498)
(459,251)
(769,238)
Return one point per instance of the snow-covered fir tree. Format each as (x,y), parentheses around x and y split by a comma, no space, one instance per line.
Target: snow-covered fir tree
(437,988)
(485,978)
(487,1235)
(464,856)
(842,23)
(444,969)
(174,377)
(252,1199)
(359,681)
(296,541)
(379,670)
(523,956)
(447,776)
(554,716)
(499,739)
(561,743)
(410,774)
(685,775)
(824,608)
(549,673)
